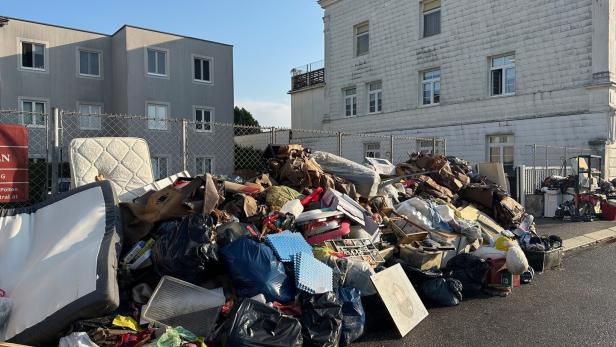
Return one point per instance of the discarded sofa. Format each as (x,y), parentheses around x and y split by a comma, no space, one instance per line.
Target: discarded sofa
(58,262)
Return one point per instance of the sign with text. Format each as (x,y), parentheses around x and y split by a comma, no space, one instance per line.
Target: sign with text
(13,163)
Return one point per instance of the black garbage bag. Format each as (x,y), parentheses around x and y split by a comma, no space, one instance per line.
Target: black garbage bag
(254,324)
(254,269)
(185,248)
(442,291)
(353,315)
(229,232)
(471,271)
(321,319)
(418,276)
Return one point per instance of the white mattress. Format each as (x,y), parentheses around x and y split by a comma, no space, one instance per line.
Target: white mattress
(57,262)
(124,161)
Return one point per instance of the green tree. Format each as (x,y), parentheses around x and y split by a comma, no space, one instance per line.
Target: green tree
(241,116)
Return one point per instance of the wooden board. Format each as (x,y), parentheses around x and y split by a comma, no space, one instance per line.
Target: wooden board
(400,298)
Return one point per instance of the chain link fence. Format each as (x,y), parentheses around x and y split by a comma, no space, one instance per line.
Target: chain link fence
(178,145)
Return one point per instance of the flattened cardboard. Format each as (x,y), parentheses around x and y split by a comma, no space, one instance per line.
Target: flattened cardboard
(400,298)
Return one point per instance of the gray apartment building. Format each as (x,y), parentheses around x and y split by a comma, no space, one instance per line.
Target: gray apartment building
(135,71)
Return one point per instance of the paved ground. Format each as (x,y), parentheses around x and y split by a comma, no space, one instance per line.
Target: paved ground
(567,230)
(572,306)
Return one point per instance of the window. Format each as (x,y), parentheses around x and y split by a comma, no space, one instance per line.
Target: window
(157,114)
(502,74)
(372,150)
(500,150)
(350,102)
(157,62)
(159,167)
(431,87)
(33,113)
(89,63)
(431,17)
(375,97)
(362,39)
(89,116)
(203,165)
(203,118)
(202,69)
(33,56)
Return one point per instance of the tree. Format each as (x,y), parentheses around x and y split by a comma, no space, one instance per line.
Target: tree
(241,116)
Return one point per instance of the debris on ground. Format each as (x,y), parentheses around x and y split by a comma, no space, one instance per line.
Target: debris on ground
(315,251)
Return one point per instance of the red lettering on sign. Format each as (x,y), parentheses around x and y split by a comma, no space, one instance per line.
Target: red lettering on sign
(13,163)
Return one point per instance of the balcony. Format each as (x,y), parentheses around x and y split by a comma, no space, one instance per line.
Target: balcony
(307,75)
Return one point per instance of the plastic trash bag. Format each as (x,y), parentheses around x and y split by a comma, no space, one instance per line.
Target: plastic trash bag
(184,248)
(365,179)
(254,269)
(471,271)
(442,291)
(79,339)
(254,324)
(229,232)
(516,260)
(321,319)
(353,315)
(358,276)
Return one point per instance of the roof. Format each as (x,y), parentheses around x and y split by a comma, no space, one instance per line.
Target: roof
(124,26)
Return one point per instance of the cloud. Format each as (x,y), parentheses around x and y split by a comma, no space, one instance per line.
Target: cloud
(268,113)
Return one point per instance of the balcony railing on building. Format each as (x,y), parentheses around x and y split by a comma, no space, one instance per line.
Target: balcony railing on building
(307,75)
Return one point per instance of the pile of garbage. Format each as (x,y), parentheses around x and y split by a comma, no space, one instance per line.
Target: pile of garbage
(310,252)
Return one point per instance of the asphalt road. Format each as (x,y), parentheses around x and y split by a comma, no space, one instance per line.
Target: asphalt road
(573,306)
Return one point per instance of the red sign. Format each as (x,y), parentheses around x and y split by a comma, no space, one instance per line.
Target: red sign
(13,163)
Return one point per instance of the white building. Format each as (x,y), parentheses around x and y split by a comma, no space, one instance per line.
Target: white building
(489,76)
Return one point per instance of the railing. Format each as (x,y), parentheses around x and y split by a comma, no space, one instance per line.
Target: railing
(307,75)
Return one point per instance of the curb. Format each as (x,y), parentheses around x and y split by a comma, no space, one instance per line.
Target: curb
(589,239)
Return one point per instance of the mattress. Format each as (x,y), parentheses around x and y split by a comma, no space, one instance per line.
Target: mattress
(124,161)
(58,262)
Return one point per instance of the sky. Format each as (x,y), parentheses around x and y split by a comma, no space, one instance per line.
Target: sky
(270,37)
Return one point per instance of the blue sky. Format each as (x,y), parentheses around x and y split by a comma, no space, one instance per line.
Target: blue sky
(269,37)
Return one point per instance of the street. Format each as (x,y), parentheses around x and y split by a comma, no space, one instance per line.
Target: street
(572,306)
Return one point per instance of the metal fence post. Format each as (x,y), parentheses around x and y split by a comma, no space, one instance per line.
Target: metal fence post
(391,146)
(273,139)
(54,151)
(547,148)
(184,145)
(433,146)
(565,163)
(340,144)
(534,165)
(444,146)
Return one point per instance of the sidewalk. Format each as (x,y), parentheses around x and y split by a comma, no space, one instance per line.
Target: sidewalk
(577,234)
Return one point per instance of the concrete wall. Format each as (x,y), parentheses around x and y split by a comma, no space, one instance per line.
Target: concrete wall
(559,96)
(307,108)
